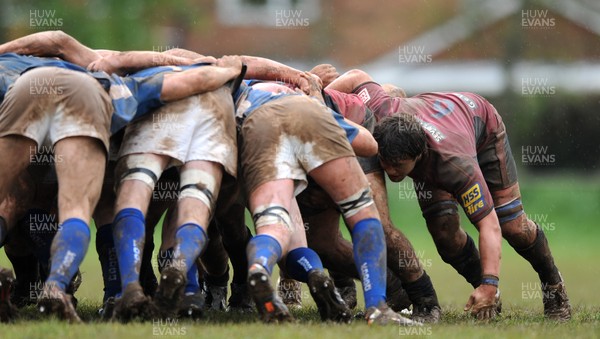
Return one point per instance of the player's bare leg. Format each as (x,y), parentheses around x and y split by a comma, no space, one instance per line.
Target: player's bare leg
(138,174)
(80,170)
(528,239)
(200,182)
(346,184)
(270,204)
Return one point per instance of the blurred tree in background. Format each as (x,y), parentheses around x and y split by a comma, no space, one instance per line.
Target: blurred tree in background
(108,24)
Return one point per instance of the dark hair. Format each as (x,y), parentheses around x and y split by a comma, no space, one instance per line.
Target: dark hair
(400,137)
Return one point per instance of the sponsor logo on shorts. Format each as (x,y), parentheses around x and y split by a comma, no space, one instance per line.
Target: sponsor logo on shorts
(364,95)
(472,199)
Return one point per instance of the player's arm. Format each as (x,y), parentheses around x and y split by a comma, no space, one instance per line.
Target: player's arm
(179,85)
(184,53)
(490,241)
(364,145)
(52,44)
(348,81)
(130,62)
(482,302)
(266,69)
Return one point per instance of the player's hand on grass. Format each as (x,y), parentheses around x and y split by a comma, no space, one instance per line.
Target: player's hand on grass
(482,302)
(326,72)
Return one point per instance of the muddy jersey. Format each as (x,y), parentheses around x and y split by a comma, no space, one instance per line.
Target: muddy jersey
(248,99)
(348,105)
(138,94)
(458,126)
(13,65)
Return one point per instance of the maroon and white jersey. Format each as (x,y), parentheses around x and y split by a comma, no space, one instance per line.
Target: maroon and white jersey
(349,105)
(459,127)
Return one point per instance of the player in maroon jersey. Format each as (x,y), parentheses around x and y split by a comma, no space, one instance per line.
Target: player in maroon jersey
(454,146)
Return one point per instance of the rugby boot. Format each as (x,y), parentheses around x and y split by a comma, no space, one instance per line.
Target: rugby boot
(73,287)
(216,297)
(7,310)
(329,302)
(240,300)
(53,300)
(290,291)
(170,292)
(108,309)
(427,311)
(425,305)
(346,287)
(133,304)
(383,315)
(192,305)
(556,302)
(397,298)
(269,305)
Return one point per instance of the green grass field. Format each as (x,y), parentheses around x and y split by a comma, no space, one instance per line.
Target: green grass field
(567,208)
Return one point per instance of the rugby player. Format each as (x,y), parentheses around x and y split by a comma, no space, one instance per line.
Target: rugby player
(302,138)
(455,146)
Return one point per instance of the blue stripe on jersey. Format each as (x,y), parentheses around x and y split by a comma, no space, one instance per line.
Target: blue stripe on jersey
(138,94)
(351,131)
(13,65)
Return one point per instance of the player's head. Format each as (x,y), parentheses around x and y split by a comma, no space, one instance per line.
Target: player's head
(394,91)
(402,142)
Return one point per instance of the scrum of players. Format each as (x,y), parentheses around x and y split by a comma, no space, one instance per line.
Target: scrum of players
(106,135)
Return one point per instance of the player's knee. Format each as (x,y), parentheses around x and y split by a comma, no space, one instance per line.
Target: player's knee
(271,215)
(516,229)
(510,211)
(356,202)
(200,185)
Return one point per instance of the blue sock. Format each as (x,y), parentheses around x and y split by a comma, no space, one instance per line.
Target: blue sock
(302,261)
(105,246)
(192,285)
(129,235)
(263,250)
(370,259)
(68,249)
(190,240)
